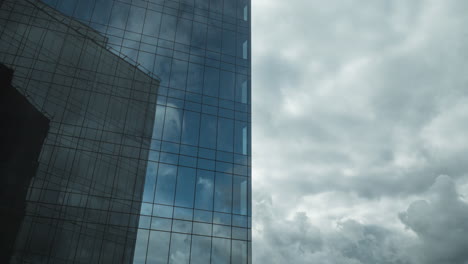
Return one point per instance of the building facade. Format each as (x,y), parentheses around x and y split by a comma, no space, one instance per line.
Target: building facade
(147,155)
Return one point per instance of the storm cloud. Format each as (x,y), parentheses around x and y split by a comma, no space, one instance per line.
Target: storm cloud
(357,110)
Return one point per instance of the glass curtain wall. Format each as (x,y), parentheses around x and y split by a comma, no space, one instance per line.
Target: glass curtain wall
(195,202)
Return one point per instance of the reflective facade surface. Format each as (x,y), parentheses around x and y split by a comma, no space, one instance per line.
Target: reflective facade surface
(147,158)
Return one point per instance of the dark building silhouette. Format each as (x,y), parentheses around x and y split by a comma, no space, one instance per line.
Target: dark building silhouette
(23,131)
(133,168)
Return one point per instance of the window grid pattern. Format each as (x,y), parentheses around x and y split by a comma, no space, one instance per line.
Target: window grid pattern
(194,204)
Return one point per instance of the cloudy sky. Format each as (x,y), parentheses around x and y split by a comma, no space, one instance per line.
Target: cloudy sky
(360,120)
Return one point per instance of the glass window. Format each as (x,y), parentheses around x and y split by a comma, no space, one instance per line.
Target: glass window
(182,226)
(152,22)
(202,229)
(204,190)
(158,123)
(185,187)
(165,186)
(172,124)
(190,128)
(239,252)
(230,8)
(239,220)
(146,60)
(203,216)
(119,15)
(223,193)
(225,134)
(184,31)
(162,68)
(140,246)
(222,231)
(214,39)
(240,138)
(162,224)
(84,9)
(150,182)
(221,218)
(241,89)
(203,4)
(246,13)
(199,35)
(208,131)
(239,233)
(245,50)
(179,74)
(158,247)
(229,42)
(240,195)
(162,210)
(135,19)
(211,81)
(102,10)
(168,27)
(221,252)
(66,7)
(195,78)
(201,248)
(183,213)
(228,82)
(180,249)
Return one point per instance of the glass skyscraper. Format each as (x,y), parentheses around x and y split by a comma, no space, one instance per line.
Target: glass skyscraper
(126,136)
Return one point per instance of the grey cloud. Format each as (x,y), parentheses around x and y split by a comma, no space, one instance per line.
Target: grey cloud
(441,223)
(361,98)
(366,101)
(297,240)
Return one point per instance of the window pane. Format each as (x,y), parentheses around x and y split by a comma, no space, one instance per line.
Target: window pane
(150,182)
(241,89)
(203,4)
(221,252)
(135,19)
(185,187)
(230,8)
(159,122)
(190,128)
(204,189)
(162,69)
(240,139)
(166,184)
(195,78)
(180,249)
(239,252)
(240,195)
(84,9)
(158,247)
(229,42)
(102,11)
(140,246)
(119,15)
(228,81)
(201,248)
(168,27)
(172,124)
(208,131)
(211,82)
(179,74)
(214,39)
(225,134)
(184,31)
(152,22)
(223,193)
(198,35)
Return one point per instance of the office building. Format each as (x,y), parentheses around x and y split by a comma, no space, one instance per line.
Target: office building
(143,142)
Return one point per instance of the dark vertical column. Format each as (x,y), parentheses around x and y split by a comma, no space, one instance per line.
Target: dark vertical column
(22,132)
